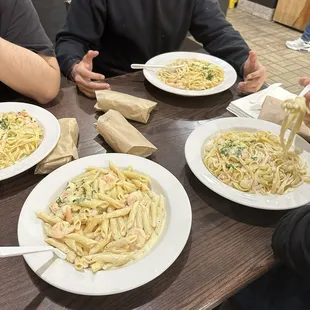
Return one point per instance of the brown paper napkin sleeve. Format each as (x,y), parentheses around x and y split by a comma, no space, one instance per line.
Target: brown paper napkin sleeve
(122,136)
(65,150)
(272,111)
(130,107)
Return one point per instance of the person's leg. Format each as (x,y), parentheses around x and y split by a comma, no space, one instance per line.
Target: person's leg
(306,34)
(303,43)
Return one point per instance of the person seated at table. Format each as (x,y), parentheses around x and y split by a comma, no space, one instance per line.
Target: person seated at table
(27,59)
(287,286)
(104,37)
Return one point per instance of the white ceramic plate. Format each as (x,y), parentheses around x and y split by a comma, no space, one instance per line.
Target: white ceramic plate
(230,74)
(51,130)
(194,151)
(62,274)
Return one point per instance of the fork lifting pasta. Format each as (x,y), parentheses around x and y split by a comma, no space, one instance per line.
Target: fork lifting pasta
(295,112)
(105,218)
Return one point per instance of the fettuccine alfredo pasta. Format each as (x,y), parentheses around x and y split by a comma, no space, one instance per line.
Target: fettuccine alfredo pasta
(193,75)
(20,136)
(259,162)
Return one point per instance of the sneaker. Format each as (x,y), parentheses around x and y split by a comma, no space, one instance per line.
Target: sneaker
(298,45)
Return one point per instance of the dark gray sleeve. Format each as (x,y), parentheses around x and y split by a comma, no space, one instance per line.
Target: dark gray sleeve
(291,240)
(210,27)
(24,28)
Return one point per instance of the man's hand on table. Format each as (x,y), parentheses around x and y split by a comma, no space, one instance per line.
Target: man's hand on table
(82,75)
(254,75)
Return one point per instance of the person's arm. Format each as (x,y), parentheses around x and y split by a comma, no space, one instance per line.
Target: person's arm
(82,32)
(35,76)
(27,59)
(77,44)
(291,240)
(210,27)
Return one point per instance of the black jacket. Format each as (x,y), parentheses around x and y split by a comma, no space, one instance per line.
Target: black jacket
(133,31)
(291,240)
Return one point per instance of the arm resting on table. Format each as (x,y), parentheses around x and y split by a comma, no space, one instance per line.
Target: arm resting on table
(291,240)
(210,27)
(33,75)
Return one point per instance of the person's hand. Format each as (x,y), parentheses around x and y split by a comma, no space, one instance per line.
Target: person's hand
(82,75)
(304,81)
(254,75)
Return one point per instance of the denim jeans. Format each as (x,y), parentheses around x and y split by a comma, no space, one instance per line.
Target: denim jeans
(306,34)
(279,289)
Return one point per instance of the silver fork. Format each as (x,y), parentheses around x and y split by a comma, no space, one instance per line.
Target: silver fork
(9,251)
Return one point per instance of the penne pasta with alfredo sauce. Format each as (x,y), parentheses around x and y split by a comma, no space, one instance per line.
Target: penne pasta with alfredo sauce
(105,218)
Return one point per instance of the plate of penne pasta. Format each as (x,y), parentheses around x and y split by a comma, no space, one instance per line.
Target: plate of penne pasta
(115,216)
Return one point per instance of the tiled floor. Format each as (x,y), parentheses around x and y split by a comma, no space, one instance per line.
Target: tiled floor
(268,39)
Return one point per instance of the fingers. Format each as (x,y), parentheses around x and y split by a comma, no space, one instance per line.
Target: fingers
(98,85)
(307,96)
(250,86)
(307,117)
(251,65)
(304,81)
(83,75)
(260,73)
(253,81)
(252,57)
(255,75)
(87,83)
(87,74)
(88,92)
(88,58)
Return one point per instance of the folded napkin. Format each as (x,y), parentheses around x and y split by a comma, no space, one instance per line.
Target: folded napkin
(65,150)
(122,136)
(273,111)
(134,108)
(249,106)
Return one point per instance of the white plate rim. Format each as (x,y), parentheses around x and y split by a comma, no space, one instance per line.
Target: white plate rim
(168,57)
(193,149)
(180,215)
(51,128)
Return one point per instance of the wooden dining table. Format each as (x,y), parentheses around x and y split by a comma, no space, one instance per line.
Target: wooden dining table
(229,244)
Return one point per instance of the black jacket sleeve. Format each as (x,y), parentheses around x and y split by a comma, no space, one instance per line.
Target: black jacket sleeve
(210,27)
(291,240)
(82,32)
